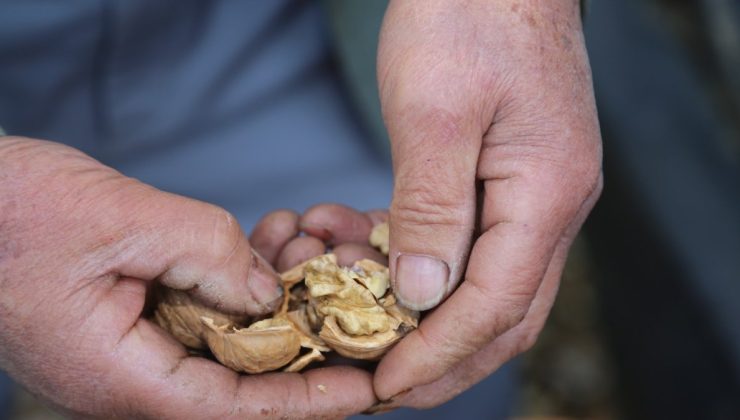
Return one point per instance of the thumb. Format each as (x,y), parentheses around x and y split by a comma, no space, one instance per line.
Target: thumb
(194,246)
(432,214)
(436,113)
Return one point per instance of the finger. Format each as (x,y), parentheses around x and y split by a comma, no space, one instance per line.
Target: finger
(194,246)
(272,232)
(495,315)
(299,250)
(348,254)
(377,216)
(432,215)
(157,379)
(473,369)
(336,224)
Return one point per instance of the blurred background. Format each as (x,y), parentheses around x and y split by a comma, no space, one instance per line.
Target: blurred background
(647,323)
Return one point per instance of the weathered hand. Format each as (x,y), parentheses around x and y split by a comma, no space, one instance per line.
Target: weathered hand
(80,244)
(497,161)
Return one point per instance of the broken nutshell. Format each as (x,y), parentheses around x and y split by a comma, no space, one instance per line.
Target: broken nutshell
(350,310)
(180,314)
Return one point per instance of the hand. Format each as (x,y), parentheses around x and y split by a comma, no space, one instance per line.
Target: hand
(497,161)
(80,244)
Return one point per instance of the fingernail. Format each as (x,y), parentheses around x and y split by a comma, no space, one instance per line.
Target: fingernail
(264,283)
(421,281)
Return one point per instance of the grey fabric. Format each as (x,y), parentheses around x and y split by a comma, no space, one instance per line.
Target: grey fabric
(236,103)
(6,395)
(355,25)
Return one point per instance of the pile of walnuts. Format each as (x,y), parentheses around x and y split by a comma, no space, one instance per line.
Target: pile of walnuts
(350,310)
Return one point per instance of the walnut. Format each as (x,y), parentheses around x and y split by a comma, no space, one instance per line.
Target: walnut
(368,347)
(360,321)
(380,237)
(339,294)
(350,310)
(265,345)
(180,314)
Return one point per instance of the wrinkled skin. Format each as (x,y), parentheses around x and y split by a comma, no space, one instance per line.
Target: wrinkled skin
(81,244)
(497,161)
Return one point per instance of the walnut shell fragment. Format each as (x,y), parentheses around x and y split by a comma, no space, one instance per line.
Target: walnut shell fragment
(380,237)
(366,347)
(305,360)
(309,339)
(265,345)
(180,314)
(408,317)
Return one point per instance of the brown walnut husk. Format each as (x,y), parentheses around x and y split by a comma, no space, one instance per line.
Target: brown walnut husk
(180,314)
(350,310)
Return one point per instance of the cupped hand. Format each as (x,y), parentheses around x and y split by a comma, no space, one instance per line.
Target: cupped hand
(497,162)
(80,246)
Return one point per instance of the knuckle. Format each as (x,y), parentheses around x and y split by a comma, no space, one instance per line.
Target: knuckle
(225,234)
(587,174)
(563,189)
(429,204)
(583,185)
(509,308)
(597,186)
(527,341)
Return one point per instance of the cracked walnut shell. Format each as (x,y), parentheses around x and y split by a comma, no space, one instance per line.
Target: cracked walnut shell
(180,314)
(350,310)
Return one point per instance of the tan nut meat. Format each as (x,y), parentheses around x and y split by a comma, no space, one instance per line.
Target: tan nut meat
(361,318)
(380,237)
